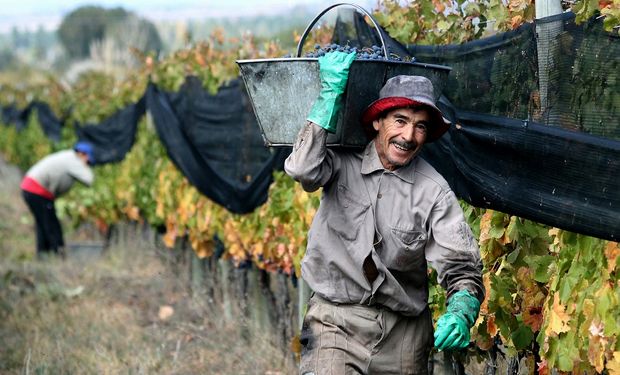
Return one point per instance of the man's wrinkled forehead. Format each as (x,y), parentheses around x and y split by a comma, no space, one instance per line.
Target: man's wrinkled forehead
(404,112)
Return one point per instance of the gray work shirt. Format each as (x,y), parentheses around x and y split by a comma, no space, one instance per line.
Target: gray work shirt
(58,171)
(405,219)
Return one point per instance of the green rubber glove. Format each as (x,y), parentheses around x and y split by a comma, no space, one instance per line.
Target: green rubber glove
(452,331)
(334,72)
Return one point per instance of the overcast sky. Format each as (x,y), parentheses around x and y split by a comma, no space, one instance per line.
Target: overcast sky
(32,13)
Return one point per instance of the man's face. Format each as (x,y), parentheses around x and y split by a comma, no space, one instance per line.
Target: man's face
(83,157)
(401,134)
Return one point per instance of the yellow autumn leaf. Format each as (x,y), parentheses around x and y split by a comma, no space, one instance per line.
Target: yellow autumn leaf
(612,251)
(587,311)
(613,366)
(159,210)
(186,207)
(596,345)
(558,318)
(556,245)
(518,5)
(200,60)
(485,226)
(202,249)
(308,216)
(203,222)
(246,238)
(230,235)
(439,6)
(217,69)
(171,233)
(486,280)
(491,326)
(169,239)
(133,213)
(301,198)
(258,249)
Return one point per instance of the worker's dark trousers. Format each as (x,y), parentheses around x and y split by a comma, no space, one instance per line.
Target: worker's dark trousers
(49,231)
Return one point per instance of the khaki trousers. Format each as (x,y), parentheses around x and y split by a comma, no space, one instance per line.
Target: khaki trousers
(339,339)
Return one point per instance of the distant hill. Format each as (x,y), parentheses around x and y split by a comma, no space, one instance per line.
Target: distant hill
(265,27)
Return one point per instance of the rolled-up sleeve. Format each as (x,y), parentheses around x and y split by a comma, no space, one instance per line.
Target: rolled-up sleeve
(452,249)
(311,163)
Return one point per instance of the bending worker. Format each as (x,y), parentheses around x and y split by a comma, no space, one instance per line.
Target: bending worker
(385,214)
(48,179)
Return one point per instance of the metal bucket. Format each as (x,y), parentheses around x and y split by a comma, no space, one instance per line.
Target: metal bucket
(283,90)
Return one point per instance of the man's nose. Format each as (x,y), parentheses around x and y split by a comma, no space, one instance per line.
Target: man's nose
(408,133)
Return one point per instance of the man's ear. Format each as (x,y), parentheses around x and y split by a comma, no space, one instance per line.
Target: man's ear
(376,125)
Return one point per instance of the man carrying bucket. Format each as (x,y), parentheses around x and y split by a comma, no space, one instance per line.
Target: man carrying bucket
(385,215)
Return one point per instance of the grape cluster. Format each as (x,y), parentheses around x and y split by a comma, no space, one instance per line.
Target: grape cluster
(364,53)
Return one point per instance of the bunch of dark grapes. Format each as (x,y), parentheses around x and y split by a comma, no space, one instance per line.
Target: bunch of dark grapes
(365,53)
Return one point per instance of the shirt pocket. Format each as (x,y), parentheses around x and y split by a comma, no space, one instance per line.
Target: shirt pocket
(347,216)
(408,249)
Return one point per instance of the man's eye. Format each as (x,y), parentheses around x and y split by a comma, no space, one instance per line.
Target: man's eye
(421,127)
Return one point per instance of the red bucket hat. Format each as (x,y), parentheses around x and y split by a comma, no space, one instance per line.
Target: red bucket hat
(406,91)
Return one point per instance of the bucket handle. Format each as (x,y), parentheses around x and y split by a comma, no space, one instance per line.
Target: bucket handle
(314,21)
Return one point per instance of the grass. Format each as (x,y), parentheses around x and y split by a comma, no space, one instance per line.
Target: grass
(105,314)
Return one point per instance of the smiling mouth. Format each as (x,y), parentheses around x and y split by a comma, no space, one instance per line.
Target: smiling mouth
(405,147)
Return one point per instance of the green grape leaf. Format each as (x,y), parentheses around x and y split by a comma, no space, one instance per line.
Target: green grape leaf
(540,266)
(522,337)
(567,351)
(512,257)
(506,322)
(567,286)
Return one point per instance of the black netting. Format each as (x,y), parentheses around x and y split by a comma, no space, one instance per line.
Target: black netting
(51,125)
(216,142)
(11,115)
(223,128)
(533,171)
(553,72)
(496,75)
(114,136)
(584,86)
(535,121)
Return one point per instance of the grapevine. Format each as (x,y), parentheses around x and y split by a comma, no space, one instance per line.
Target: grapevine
(548,291)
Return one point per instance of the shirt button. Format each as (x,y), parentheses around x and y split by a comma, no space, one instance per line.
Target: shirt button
(379,196)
